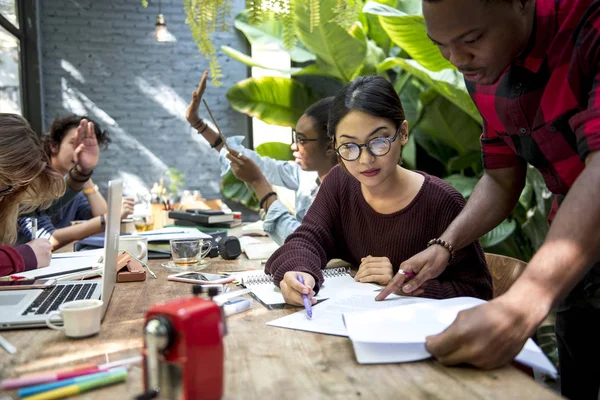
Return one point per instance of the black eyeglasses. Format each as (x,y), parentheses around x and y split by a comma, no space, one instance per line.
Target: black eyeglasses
(377,147)
(6,191)
(301,141)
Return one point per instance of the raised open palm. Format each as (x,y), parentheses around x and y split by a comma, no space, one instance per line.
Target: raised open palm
(87,151)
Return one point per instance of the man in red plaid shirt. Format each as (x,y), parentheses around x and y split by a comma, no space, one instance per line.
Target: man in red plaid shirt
(532,67)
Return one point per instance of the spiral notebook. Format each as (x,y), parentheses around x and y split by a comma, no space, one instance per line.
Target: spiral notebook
(338,283)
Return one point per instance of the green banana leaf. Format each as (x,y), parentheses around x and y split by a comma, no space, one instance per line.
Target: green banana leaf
(499,234)
(408,32)
(449,83)
(236,190)
(536,228)
(543,197)
(435,148)
(274,100)
(464,184)
(313,70)
(337,51)
(249,61)
(470,160)
(275,150)
(442,120)
(270,32)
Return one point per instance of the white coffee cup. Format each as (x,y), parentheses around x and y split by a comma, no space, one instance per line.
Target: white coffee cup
(80,318)
(135,245)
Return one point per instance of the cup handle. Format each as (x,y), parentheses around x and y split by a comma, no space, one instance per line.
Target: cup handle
(205,253)
(50,324)
(142,250)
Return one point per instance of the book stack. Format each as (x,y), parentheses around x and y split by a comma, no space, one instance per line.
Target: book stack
(205,219)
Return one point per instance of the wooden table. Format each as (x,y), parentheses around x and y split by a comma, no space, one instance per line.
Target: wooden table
(261,362)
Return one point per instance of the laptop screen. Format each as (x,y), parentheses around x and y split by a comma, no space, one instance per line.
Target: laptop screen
(111,241)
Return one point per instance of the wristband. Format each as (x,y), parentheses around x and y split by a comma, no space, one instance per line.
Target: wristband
(264,199)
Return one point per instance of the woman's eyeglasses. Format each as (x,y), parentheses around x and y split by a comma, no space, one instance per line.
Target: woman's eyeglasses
(377,147)
(301,141)
(7,190)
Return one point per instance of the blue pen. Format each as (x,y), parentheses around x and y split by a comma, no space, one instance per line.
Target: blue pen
(31,390)
(305,299)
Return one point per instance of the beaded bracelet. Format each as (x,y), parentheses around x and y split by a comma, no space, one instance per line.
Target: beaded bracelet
(264,199)
(445,245)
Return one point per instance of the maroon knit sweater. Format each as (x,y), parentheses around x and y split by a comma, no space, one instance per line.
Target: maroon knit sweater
(341,224)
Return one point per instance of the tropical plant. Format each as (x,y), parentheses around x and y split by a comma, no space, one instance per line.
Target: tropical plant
(387,38)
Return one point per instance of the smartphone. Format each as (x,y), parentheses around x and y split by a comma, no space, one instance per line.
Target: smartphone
(27,284)
(201,278)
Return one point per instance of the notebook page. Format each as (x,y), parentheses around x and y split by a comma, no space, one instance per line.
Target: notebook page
(328,316)
(337,284)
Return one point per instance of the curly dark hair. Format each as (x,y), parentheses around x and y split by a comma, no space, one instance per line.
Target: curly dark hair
(60,127)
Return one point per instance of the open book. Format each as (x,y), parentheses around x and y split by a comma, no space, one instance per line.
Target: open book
(338,283)
(398,334)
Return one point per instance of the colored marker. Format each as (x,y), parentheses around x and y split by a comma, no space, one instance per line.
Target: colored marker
(31,390)
(79,388)
(305,299)
(16,383)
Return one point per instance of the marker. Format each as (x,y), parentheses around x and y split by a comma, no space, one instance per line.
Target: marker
(31,390)
(80,387)
(15,383)
(305,299)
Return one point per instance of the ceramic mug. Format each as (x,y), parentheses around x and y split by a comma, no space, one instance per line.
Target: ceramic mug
(135,245)
(81,318)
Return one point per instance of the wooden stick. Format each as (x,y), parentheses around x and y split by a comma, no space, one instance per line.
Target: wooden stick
(216,125)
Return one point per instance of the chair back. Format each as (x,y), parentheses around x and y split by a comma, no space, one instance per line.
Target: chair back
(505,270)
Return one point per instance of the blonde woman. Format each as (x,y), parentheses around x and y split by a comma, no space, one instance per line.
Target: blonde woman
(28,182)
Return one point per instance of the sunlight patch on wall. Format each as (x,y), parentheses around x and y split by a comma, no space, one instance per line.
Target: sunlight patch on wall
(164,96)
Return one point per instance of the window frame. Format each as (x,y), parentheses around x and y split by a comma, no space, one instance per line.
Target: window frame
(29,74)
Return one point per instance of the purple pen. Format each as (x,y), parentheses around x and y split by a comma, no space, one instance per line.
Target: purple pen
(305,299)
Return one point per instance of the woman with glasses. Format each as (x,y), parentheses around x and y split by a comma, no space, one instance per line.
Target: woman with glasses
(313,158)
(372,212)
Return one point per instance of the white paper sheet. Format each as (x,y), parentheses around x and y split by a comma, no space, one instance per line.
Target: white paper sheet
(328,315)
(62,265)
(398,334)
(173,233)
(260,251)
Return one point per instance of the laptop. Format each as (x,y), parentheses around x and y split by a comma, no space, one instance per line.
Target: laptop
(29,308)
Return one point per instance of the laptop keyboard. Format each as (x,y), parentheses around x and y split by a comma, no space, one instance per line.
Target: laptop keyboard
(51,299)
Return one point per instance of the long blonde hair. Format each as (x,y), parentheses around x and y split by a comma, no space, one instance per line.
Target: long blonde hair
(25,166)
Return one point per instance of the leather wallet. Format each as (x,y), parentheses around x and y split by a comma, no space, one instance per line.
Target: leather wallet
(129,269)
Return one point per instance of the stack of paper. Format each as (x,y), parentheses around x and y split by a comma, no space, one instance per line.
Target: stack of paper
(166,234)
(398,334)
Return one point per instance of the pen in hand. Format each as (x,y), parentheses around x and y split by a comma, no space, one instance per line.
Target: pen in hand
(305,299)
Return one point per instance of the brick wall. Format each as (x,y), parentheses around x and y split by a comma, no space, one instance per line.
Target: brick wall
(100,58)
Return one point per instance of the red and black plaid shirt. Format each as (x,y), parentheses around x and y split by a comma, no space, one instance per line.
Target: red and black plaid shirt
(545,108)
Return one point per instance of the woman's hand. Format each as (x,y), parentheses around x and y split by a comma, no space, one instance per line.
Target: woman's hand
(375,270)
(42,250)
(292,290)
(87,151)
(426,265)
(127,206)
(191,114)
(244,168)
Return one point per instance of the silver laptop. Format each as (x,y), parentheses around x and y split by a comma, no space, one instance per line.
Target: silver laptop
(29,308)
